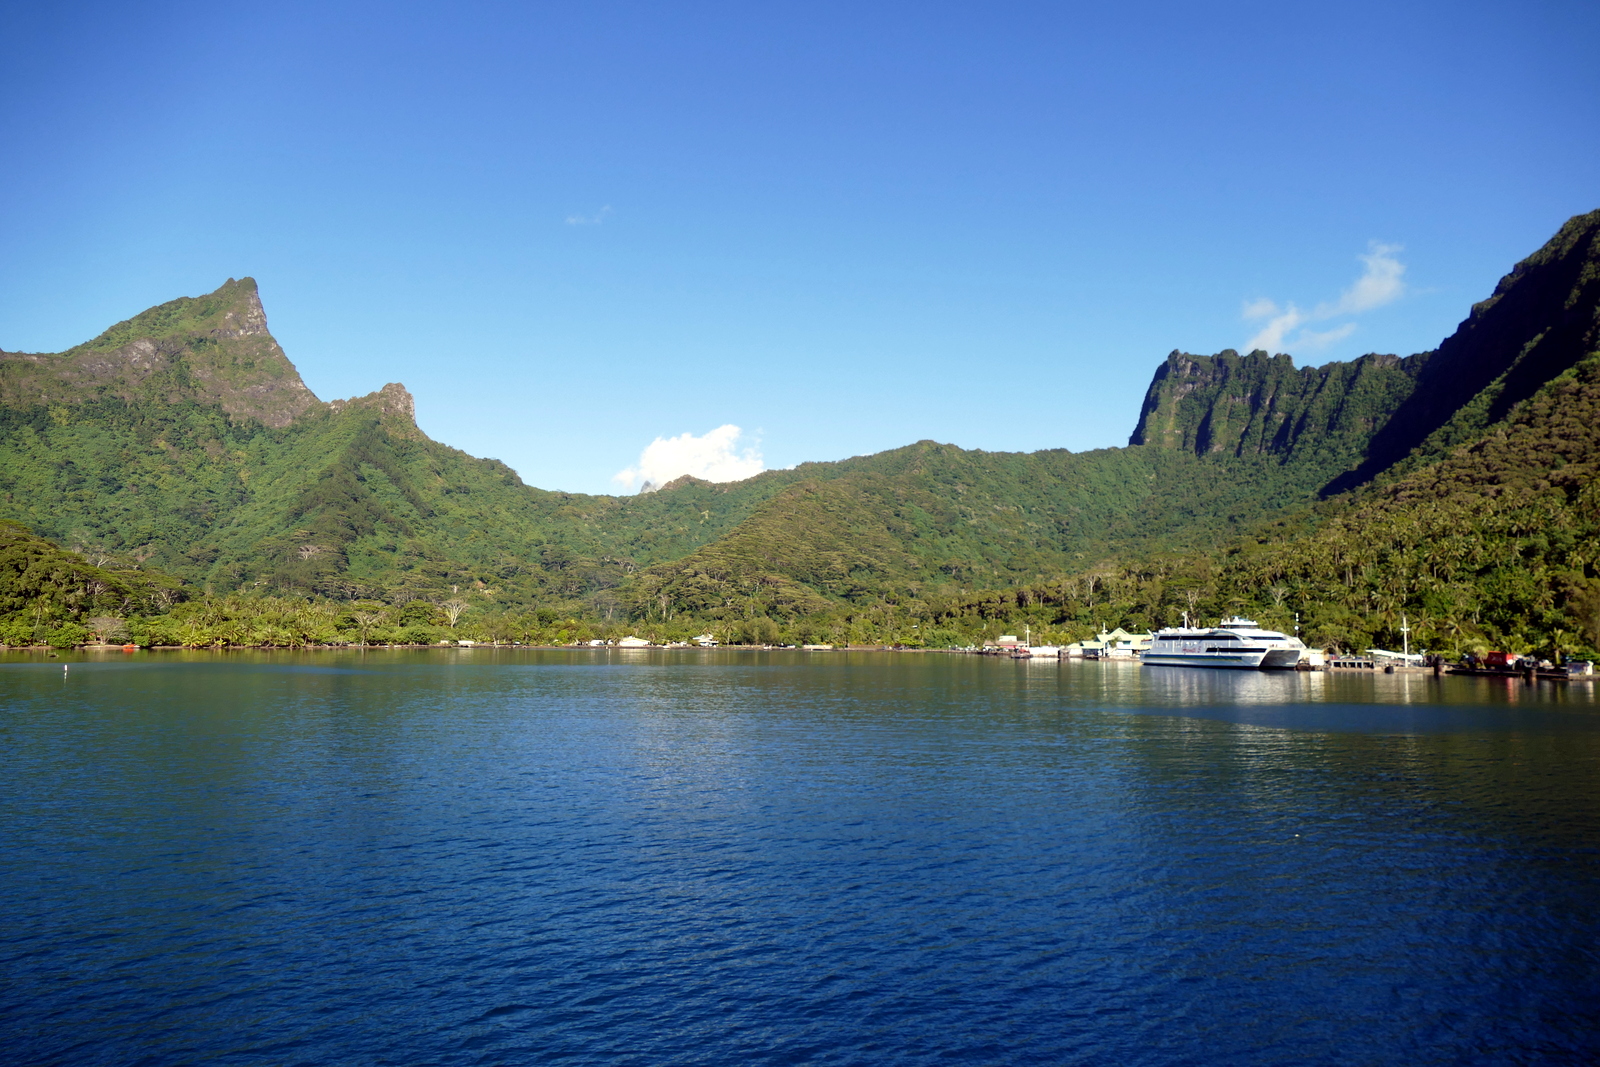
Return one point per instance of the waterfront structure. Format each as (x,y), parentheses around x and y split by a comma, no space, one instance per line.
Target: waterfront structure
(1397,659)
(1113,644)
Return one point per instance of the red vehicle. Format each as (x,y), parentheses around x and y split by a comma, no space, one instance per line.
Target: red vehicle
(1499,659)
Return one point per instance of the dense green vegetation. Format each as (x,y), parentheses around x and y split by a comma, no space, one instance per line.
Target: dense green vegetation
(350,500)
(943,522)
(1542,319)
(182,442)
(1317,417)
(50,596)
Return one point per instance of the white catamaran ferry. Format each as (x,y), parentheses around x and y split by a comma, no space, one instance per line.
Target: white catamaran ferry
(1235,642)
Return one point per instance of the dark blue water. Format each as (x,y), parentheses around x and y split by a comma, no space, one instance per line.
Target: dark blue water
(492,857)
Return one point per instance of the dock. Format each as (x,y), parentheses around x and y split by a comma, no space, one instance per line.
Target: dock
(1527,674)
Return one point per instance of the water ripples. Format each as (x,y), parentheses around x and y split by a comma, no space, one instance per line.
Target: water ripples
(858,860)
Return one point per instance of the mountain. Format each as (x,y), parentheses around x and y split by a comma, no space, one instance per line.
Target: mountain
(212,350)
(1542,319)
(1222,444)
(1323,418)
(931,521)
(183,440)
(1359,419)
(1496,544)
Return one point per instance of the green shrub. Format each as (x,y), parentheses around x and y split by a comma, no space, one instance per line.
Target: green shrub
(419,635)
(16,632)
(161,630)
(67,635)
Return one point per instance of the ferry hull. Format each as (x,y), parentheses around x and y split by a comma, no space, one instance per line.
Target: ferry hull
(1279,659)
(1282,659)
(1247,662)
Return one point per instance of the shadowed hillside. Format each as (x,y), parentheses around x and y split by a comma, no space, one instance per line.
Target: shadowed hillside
(1543,318)
(1357,420)
(1496,545)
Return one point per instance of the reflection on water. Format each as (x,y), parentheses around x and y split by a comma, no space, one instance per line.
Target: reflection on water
(652,857)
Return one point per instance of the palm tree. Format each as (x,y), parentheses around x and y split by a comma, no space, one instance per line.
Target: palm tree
(365,621)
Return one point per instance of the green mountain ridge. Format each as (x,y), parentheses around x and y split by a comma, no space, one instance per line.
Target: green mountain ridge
(1362,419)
(213,350)
(1542,319)
(1495,545)
(1264,405)
(183,440)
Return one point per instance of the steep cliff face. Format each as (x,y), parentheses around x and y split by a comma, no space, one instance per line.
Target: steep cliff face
(1264,405)
(212,349)
(1354,421)
(1543,319)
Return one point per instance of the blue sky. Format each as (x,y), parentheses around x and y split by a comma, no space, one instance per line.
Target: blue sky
(572,229)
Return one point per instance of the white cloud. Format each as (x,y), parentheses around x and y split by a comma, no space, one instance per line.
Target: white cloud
(1316,340)
(589,220)
(1382,282)
(1283,321)
(714,456)
(1259,309)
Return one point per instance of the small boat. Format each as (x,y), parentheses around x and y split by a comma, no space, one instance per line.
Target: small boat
(1235,642)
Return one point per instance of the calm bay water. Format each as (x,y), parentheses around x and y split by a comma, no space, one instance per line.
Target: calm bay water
(657,858)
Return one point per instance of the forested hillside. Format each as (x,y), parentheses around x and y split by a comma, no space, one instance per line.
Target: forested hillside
(1453,487)
(48,595)
(1497,545)
(184,440)
(1542,319)
(932,521)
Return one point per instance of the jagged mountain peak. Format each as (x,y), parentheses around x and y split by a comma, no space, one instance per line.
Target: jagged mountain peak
(393,399)
(232,310)
(211,349)
(1363,417)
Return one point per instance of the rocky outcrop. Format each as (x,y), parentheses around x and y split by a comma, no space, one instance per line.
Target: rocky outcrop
(212,349)
(393,399)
